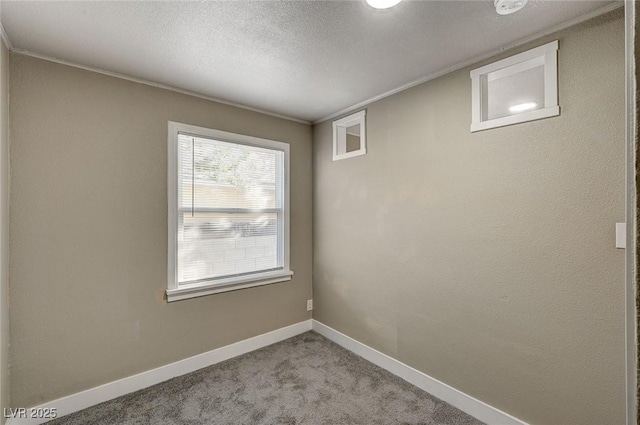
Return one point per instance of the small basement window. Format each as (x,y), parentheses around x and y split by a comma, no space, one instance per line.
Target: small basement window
(520,88)
(228,211)
(349,136)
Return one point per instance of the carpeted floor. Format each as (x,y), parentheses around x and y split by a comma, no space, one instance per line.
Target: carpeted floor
(306,380)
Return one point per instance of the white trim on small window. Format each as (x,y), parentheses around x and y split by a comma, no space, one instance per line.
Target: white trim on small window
(179,289)
(546,56)
(341,133)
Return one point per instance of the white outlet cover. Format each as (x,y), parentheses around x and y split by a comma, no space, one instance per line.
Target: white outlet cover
(621,235)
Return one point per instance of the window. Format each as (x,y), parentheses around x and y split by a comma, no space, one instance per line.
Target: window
(228,211)
(519,88)
(349,136)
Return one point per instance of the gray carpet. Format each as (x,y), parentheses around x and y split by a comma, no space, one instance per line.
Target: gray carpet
(306,379)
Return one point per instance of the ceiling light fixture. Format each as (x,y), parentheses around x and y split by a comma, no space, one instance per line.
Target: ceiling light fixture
(382,4)
(522,107)
(506,7)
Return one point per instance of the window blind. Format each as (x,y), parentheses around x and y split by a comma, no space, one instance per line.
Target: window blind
(230,209)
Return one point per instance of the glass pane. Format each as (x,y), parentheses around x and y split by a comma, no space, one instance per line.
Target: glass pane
(353,138)
(230,219)
(185,171)
(213,245)
(216,174)
(507,94)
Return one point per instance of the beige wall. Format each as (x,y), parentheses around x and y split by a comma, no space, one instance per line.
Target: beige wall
(89,239)
(487,260)
(4,228)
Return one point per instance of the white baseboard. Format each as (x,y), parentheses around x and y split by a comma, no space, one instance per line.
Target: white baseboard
(111,390)
(458,399)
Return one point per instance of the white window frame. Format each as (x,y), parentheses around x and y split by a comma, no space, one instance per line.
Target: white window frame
(339,142)
(546,55)
(177,292)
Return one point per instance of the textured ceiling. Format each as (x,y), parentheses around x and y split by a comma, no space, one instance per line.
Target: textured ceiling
(302,59)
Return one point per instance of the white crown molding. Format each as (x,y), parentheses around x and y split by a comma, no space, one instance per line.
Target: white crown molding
(582,18)
(76,402)
(608,8)
(153,84)
(472,406)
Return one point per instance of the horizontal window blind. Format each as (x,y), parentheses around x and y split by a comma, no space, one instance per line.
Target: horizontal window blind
(230,209)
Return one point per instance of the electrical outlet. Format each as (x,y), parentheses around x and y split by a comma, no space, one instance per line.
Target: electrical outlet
(621,235)
(309,305)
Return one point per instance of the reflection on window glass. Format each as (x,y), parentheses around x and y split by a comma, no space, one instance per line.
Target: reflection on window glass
(353,138)
(512,94)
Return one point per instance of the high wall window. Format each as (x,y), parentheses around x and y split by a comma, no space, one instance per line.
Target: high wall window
(228,211)
(517,89)
(349,136)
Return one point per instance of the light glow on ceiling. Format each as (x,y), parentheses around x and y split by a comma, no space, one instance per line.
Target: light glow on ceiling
(382,4)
